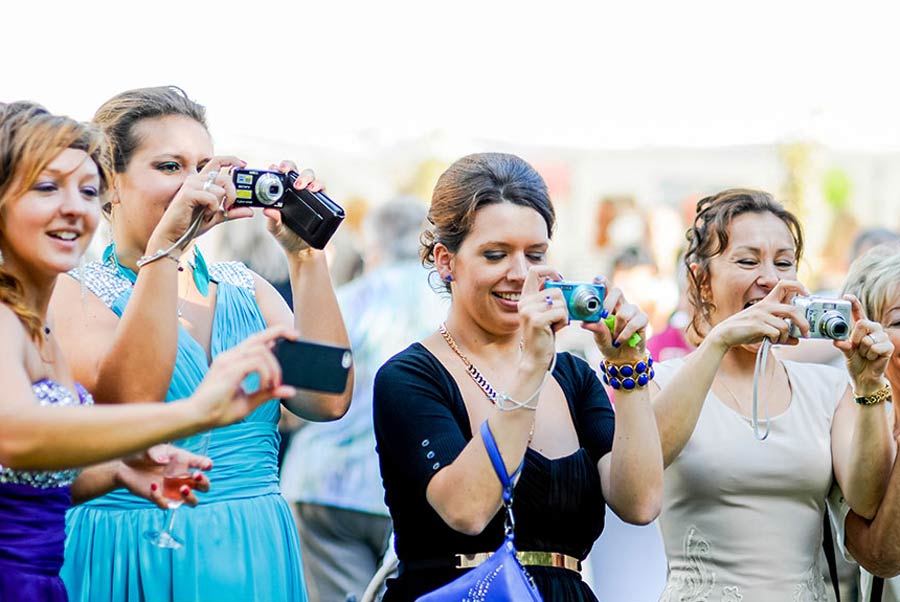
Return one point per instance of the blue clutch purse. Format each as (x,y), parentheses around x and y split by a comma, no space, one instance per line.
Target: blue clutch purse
(500,578)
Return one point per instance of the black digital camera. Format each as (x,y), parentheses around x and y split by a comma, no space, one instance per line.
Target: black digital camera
(584,300)
(310,215)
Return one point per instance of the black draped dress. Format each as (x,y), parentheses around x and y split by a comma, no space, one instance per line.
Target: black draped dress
(421,425)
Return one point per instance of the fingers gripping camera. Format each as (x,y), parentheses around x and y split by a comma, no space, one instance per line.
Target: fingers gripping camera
(828,318)
(310,215)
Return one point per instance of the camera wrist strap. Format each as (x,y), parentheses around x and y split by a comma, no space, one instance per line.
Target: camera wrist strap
(758,372)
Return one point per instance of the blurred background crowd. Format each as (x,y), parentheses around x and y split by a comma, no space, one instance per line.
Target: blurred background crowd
(621,214)
(631,114)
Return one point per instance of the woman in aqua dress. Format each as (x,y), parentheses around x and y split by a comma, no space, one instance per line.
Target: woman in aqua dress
(150,333)
(53,175)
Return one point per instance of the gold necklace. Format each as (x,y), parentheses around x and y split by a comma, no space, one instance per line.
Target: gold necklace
(471,370)
(477,376)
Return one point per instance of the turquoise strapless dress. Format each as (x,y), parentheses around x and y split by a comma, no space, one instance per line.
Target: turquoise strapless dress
(241,542)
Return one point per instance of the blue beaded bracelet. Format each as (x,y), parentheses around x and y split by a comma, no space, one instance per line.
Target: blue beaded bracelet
(628,376)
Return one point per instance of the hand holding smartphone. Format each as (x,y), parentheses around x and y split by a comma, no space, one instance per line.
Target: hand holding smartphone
(313,366)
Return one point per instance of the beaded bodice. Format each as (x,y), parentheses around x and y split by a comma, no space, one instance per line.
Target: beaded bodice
(106,280)
(49,393)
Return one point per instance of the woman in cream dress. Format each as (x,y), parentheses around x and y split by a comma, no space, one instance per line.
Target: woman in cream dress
(742,516)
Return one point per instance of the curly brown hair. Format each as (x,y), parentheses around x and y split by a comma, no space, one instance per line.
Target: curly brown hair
(708,238)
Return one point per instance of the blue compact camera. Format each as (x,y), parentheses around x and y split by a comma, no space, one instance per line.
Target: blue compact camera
(584,300)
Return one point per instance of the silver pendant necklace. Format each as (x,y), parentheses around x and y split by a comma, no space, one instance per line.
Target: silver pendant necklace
(181,300)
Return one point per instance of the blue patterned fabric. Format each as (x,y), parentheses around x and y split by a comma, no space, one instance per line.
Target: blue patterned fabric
(241,542)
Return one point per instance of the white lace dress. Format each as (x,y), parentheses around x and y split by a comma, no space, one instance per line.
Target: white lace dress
(741,518)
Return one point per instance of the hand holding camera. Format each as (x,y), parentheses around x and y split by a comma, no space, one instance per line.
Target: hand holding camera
(618,326)
(868,350)
(542,312)
(204,194)
(302,215)
(773,317)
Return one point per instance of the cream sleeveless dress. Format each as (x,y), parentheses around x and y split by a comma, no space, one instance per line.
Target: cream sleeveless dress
(742,518)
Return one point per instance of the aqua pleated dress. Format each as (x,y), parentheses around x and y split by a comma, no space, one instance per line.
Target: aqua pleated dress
(240,542)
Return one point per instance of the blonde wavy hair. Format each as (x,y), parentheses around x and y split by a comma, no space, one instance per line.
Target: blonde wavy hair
(30,138)
(874,277)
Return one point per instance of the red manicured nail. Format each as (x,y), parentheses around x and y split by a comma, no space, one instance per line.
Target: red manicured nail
(198,477)
(153,486)
(185,490)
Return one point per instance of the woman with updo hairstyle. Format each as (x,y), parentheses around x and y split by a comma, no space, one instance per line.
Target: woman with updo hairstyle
(54,174)
(154,315)
(494,361)
(745,487)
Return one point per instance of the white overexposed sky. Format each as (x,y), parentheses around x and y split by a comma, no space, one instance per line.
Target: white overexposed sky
(589,75)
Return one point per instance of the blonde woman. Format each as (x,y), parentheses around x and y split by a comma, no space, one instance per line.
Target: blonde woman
(53,177)
(875,542)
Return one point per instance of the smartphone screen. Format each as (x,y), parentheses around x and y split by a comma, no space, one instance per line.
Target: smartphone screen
(314,366)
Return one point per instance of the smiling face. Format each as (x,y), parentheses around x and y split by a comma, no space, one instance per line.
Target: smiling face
(171,148)
(48,228)
(760,252)
(490,266)
(890,319)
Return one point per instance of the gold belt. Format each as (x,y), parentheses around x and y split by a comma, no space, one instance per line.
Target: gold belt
(562,561)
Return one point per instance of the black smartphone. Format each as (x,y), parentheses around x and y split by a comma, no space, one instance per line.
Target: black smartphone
(308,365)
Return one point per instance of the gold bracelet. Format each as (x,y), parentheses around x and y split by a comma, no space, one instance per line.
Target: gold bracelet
(882,394)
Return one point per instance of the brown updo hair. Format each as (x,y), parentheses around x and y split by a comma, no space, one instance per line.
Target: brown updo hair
(708,238)
(119,116)
(30,138)
(476,181)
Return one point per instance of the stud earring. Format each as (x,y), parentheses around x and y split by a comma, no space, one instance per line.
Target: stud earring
(448,278)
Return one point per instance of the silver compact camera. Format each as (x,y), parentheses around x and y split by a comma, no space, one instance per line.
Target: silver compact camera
(828,318)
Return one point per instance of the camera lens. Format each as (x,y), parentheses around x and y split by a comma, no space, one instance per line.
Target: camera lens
(834,326)
(584,302)
(269,189)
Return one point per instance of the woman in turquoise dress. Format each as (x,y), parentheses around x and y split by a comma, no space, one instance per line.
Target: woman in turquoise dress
(52,177)
(151,332)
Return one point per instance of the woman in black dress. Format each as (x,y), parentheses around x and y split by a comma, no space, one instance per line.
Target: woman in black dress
(494,359)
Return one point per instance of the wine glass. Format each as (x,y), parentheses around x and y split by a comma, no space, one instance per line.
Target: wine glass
(176,475)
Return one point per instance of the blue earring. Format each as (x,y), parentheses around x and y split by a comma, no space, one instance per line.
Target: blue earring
(448,278)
